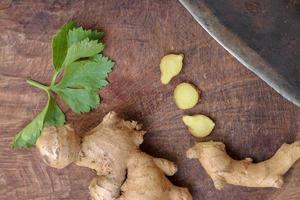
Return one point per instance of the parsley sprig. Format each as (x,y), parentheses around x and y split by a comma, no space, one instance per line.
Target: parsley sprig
(76,57)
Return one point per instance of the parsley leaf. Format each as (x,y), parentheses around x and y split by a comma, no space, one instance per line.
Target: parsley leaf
(82,49)
(79,34)
(60,45)
(81,80)
(51,115)
(79,100)
(54,115)
(87,74)
(27,136)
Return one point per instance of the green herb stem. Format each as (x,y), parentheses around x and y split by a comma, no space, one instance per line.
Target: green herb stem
(54,78)
(38,85)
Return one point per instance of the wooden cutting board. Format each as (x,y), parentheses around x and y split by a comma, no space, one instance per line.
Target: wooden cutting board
(251,118)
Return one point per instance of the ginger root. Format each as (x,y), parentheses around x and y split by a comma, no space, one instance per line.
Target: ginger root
(225,170)
(112,150)
(170,66)
(186,95)
(199,125)
(59,150)
(139,185)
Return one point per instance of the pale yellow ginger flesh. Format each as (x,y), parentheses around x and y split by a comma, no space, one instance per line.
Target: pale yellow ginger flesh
(170,66)
(109,149)
(186,96)
(199,125)
(225,170)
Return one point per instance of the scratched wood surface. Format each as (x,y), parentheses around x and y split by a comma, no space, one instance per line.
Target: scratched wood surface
(251,118)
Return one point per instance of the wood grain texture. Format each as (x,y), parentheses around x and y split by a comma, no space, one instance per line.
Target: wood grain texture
(251,118)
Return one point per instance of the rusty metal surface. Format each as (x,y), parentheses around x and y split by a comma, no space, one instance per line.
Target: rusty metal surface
(264,35)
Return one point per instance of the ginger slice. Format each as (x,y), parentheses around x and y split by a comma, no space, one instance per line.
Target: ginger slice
(170,66)
(186,95)
(199,125)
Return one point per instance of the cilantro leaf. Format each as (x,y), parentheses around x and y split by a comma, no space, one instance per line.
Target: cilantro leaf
(81,81)
(51,115)
(28,136)
(82,49)
(87,74)
(54,115)
(78,34)
(60,45)
(79,100)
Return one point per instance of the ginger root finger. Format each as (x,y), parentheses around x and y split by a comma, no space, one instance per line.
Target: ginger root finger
(59,146)
(145,180)
(108,149)
(168,167)
(103,188)
(108,146)
(225,170)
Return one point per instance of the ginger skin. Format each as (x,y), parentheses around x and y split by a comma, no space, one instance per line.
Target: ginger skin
(106,149)
(112,149)
(59,150)
(225,170)
(138,185)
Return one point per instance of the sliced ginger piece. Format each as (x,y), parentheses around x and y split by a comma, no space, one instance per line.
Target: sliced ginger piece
(186,95)
(170,66)
(199,125)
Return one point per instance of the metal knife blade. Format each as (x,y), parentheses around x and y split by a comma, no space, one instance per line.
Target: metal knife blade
(264,35)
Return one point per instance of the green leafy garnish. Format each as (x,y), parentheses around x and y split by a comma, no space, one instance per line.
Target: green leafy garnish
(60,45)
(75,55)
(79,34)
